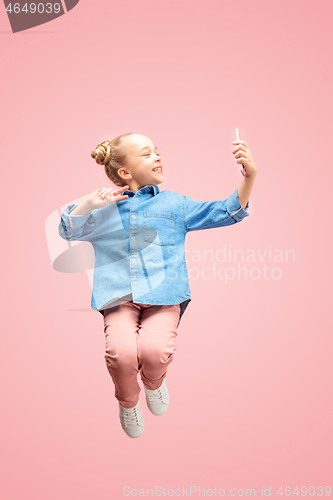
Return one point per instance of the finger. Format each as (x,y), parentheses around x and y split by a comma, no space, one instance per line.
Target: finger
(121,197)
(119,190)
(239,148)
(240,154)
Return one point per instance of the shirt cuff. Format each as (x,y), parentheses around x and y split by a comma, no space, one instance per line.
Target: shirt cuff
(75,221)
(234,207)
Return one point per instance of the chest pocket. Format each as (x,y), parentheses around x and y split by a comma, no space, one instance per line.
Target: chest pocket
(160,228)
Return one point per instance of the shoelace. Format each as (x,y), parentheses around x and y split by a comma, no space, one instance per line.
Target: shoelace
(130,416)
(155,397)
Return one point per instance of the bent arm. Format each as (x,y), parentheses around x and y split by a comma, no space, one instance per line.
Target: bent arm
(245,189)
(77,227)
(83,209)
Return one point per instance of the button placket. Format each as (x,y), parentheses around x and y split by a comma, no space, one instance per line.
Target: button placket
(133,246)
(137,273)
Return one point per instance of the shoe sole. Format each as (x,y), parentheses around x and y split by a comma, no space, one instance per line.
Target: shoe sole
(133,437)
(157,414)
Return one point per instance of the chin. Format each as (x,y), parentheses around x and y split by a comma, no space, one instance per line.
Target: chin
(158,180)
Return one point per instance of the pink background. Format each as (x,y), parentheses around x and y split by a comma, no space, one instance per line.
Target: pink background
(257,409)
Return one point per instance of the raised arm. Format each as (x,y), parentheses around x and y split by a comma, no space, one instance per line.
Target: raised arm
(243,156)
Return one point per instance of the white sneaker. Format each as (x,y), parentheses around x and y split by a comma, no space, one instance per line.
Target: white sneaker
(158,399)
(131,420)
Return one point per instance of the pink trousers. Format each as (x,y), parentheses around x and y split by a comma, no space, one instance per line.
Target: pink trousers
(139,338)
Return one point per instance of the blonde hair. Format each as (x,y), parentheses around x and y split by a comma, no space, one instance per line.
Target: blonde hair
(109,153)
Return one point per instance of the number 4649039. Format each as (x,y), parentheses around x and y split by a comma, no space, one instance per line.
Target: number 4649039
(32,8)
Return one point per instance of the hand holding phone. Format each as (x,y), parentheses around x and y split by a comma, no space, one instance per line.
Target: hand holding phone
(238,139)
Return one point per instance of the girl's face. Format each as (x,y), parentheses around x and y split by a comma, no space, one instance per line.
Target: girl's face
(144,165)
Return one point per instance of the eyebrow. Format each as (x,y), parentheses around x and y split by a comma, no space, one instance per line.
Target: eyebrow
(146,148)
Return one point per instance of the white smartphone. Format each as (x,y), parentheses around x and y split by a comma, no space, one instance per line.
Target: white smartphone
(238,138)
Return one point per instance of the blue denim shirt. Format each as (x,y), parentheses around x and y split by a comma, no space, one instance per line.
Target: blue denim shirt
(139,243)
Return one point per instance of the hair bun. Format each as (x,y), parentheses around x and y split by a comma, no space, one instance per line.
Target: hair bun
(102,153)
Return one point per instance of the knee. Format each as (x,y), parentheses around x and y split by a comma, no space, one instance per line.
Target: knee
(122,361)
(158,354)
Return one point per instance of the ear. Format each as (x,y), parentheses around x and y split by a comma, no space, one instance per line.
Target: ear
(124,174)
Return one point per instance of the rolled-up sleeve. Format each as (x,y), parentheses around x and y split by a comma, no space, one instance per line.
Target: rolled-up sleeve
(77,227)
(209,214)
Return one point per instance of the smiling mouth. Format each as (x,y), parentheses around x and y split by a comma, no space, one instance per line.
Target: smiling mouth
(157,170)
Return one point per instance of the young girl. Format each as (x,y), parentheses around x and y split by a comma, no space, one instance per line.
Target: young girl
(140,278)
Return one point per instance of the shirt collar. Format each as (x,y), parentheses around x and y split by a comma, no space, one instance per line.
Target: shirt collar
(146,189)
